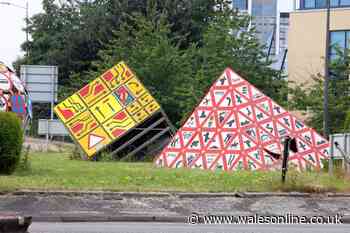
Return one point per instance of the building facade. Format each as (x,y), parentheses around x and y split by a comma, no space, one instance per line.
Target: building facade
(307,36)
(271,20)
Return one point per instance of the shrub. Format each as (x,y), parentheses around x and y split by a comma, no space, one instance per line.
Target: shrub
(11,140)
(347,122)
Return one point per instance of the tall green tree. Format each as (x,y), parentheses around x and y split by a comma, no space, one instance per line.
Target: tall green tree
(69,33)
(347,122)
(146,44)
(177,76)
(228,41)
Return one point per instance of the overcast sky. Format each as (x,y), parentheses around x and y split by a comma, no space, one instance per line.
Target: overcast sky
(12,22)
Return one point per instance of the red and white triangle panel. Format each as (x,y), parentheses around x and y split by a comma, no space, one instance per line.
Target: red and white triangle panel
(232,128)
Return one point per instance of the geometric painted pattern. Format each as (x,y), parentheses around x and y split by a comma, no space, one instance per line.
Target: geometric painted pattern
(13,95)
(232,128)
(106,109)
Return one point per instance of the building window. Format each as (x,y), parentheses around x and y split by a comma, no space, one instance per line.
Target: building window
(317,4)
(321,3)
(264,8)
(339,40)
(309,4)
(344,2)
(240,4)
(334,3)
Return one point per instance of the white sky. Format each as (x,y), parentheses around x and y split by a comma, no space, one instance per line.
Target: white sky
(12,23)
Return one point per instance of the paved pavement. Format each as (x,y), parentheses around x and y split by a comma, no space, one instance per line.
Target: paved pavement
(183,228)
(107,206)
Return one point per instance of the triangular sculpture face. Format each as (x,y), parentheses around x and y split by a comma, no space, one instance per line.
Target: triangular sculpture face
(232,128)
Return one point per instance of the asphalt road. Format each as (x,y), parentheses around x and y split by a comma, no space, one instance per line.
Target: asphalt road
(178,227)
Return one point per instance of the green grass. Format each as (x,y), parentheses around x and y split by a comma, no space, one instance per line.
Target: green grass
(56,171)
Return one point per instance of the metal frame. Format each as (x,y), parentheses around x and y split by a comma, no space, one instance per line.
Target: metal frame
(144,131)
(155,137)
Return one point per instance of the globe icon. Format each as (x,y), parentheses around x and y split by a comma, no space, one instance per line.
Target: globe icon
(14,97)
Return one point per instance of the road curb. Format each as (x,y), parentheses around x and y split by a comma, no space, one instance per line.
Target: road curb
(88,193)
(121,195)
(14,224)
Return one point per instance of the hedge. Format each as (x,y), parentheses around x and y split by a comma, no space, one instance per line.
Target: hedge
(11,140)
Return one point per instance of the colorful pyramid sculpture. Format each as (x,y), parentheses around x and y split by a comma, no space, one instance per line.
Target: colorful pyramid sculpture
(232,128)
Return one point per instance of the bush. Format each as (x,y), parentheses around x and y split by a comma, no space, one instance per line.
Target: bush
(11,140)
(347,122)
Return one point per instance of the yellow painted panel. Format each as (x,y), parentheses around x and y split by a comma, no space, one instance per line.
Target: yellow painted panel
(134,107)
(106,108)
(118,75)
(94,141)
(135,87)
(93,92)
(119,124)
(146,99)
(70,108)
(82,124)
(152,107)
(124,96)
(140,116)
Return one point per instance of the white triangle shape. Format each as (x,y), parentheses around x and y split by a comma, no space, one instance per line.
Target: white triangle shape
(186,136)
(243,90)
(202,115)
(222,81)
(175,143)
(218,95)
(227,101)
(256,94)
(94,140)
(206,102)
(239,99)
(207,137)
(277,110)
(234,78)
(215,143)
(191,122)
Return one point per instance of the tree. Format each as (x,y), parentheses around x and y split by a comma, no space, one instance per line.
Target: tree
(177,76)
(347,123)
(146,44)
(229,42)
(177,47)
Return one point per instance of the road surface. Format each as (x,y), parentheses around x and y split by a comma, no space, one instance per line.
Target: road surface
(129,227)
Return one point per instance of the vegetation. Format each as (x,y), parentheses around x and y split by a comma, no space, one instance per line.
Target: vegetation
(11,140)
(176,47)
(347,122)
(311,98)
(56,171)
